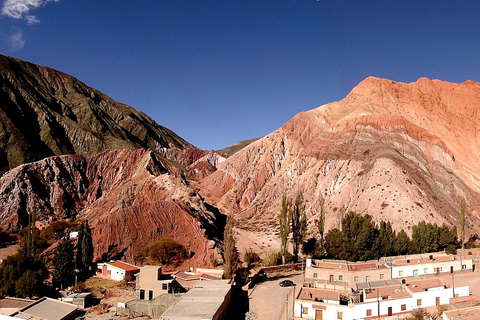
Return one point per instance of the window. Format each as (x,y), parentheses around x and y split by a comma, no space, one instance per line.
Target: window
(150,294)
(419,302)
(369,312)
(381,275)
(464,267)
(400,273)
(304,310)
(142,294)
(164,286)
(355,278)
(403,307)
(367,278)
(315,275)
(425,270)
(340,277)
(339,315)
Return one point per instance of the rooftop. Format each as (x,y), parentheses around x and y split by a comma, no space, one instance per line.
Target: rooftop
(388,292)
(202,301)
(424,285)
(49,309)
(472,313)
(320,295)
(124,266)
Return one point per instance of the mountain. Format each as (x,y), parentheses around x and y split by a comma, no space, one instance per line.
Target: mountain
(402,152)
(44,112)
(67,151)
(236,147)
(130,198)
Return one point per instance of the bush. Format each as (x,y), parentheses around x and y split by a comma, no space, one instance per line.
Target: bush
(250,257)
(165,251)
(214,261)
(273,258)
(451,249)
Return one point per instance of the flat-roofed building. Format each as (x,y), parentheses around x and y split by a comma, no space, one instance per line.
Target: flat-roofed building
(426,264)
(151,283)
(344,273)
(470,313)
(373,299)
(47,309)
(207,300)
(9,305)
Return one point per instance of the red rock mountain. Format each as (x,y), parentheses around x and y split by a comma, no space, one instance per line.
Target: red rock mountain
(129,197)
(399,152)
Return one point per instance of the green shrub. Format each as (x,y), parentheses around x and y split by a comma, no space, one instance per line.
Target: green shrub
(250,257)
(451,249)
(273,258)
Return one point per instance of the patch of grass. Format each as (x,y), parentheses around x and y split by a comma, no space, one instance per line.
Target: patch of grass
(99,285)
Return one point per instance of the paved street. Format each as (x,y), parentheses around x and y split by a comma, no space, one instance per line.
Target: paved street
(269,301)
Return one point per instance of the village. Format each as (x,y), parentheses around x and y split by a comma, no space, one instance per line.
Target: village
(434,285)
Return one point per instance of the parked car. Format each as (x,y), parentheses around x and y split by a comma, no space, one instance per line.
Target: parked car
(286,283)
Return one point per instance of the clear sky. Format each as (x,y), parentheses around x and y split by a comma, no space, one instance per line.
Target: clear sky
(218,72)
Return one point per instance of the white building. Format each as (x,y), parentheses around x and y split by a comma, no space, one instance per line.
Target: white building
(391,298)
(117,270)
(426,264)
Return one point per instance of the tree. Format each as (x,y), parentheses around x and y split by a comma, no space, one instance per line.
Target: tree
(401,242)
(23,274)
(299,224)
(284,225)
(230,253)
(462,222)
(84,257)
(425,238)
(64,264)
(447,236)
(165,251)
(384,244)
(333,241)
(358,237)
(321,222)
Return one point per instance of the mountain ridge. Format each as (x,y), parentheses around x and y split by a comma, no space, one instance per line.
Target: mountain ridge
(350,155)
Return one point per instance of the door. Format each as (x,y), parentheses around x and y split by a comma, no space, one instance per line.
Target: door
(451,269)
(389,311)
(331,278)
(318,315)
(415,273)
(437,301)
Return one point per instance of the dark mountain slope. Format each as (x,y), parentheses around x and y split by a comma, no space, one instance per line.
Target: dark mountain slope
(44,112)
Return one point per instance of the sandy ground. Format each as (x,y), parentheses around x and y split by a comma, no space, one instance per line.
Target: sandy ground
(261,242)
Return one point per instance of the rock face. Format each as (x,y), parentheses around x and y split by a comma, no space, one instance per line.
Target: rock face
(399,152)
(44,112)
(129,197)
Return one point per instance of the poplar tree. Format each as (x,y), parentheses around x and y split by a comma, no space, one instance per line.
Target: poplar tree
(462,223)
(321,223)
(64,264)
(299,224)
(230,253)
(84,257)
(284,225)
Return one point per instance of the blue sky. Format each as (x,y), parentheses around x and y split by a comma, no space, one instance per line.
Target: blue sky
(217,72)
